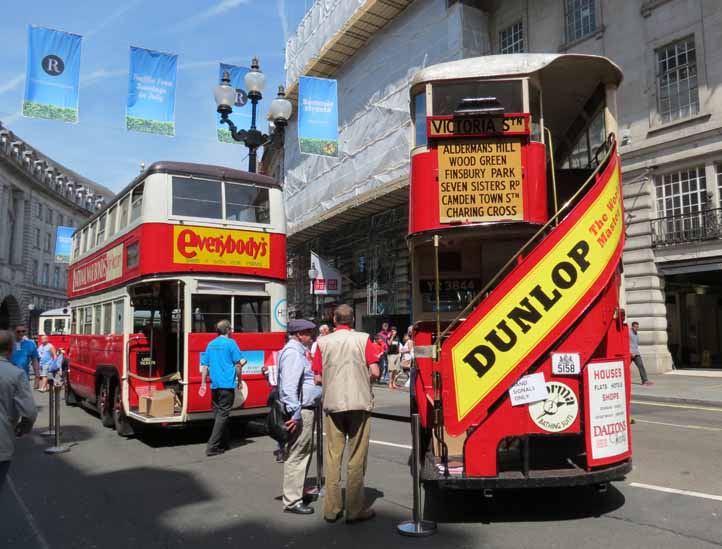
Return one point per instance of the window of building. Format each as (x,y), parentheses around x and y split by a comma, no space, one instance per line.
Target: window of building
(101,229)
(683,192)
(46,274)
(247,203)
(38,210)
(107,318)
(37,238)
(48,215)
(718,168)
(580,18)
(48,241)
(63,279)
(60,220)
(197,198)
(511,39)
(251,314)
(136,203)
(678,94)
(119,313)
(56,277)
(35,274)
(123,221)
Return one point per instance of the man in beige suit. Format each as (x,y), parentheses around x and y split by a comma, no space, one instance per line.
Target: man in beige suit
(346,362)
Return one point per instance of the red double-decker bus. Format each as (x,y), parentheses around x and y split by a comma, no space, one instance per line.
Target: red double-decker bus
(180,248)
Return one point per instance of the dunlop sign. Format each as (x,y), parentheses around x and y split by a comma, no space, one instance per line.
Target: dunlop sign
(448,126)
(480,180)
(539,296)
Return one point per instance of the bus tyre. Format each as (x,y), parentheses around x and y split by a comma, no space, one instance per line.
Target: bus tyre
(121,422)
(105,403)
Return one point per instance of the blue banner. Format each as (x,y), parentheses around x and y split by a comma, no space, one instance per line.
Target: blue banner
(241,115)
(53,73)
(318,116)
(151,92)
(63,244)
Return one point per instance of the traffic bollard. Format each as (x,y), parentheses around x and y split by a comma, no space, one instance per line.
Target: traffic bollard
(416,527)
(51,412)
(58,448)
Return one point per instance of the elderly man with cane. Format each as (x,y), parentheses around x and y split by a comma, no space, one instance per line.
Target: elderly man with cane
(300,395)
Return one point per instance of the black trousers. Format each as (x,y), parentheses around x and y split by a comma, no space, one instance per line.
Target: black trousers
(637,359)
(222,400)
(4,466)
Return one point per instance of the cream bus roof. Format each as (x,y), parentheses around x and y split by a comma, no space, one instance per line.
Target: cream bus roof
(563,69)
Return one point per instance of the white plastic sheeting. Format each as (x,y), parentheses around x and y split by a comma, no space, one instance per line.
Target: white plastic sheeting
(374,123)
(318,26)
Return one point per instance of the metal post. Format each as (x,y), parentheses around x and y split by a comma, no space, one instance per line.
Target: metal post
(416,527)
(317,491)
(58,448)
(51,412)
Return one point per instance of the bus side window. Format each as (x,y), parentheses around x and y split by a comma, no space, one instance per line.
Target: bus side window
(137,203)
(48,326)
(420,119)
(251,314)
(60,327)
(96,320)
(208,309)
(123,221)
(107,318)
(87,320)
(118,327)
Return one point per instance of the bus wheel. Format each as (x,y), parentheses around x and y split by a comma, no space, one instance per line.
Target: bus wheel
(105,404)
(121,422)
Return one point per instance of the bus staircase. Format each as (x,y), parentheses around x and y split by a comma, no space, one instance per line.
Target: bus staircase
(588,333)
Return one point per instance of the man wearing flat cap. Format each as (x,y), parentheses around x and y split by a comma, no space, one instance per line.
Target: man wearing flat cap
(300,395)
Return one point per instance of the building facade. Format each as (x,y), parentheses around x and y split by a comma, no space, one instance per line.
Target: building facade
(351,209)
(37,195)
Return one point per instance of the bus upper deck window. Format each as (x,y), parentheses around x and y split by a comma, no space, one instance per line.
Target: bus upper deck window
(447,97)
(535,112)
(247,203)
(136,203)
(420,119)
(123,221)
(197,198)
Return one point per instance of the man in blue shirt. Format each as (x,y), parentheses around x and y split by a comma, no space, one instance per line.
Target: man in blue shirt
(25,353)
(636,357)
(223,361)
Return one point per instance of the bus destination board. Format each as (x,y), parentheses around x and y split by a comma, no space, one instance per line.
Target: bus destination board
(477,126)
(480,180)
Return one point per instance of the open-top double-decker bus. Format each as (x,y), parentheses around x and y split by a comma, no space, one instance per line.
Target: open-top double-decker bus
(516,232)
(182,247)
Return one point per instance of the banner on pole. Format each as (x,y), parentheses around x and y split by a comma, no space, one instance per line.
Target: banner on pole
(53,73)
(151,92)
(328,280)
(318,116)
(63,244)
(241,115)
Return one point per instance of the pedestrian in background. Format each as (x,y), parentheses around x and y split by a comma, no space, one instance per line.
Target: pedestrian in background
(384,334)
(17,407)
(223,361)
(300,395)
(636,357)
(346,363)
(47,354)
(25,354)
(323,330)
(392,356)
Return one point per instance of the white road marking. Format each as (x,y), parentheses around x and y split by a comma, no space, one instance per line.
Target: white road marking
(670,405)
(698,427)
(42,542)
(383,443)
(676,491)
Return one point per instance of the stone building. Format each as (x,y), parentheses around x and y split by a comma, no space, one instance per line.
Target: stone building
(352,209)
(37,195)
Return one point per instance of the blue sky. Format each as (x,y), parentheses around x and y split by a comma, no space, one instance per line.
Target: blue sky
(202,33)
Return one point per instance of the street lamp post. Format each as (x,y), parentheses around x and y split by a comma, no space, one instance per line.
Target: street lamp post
(280,111)
(313,275)
(31,308)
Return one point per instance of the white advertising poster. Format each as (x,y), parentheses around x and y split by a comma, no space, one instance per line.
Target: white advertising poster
(607,409)
(528,389)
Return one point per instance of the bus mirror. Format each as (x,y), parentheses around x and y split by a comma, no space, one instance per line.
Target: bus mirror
(475,106)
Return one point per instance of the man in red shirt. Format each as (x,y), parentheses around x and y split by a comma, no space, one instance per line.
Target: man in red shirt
(345,363)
